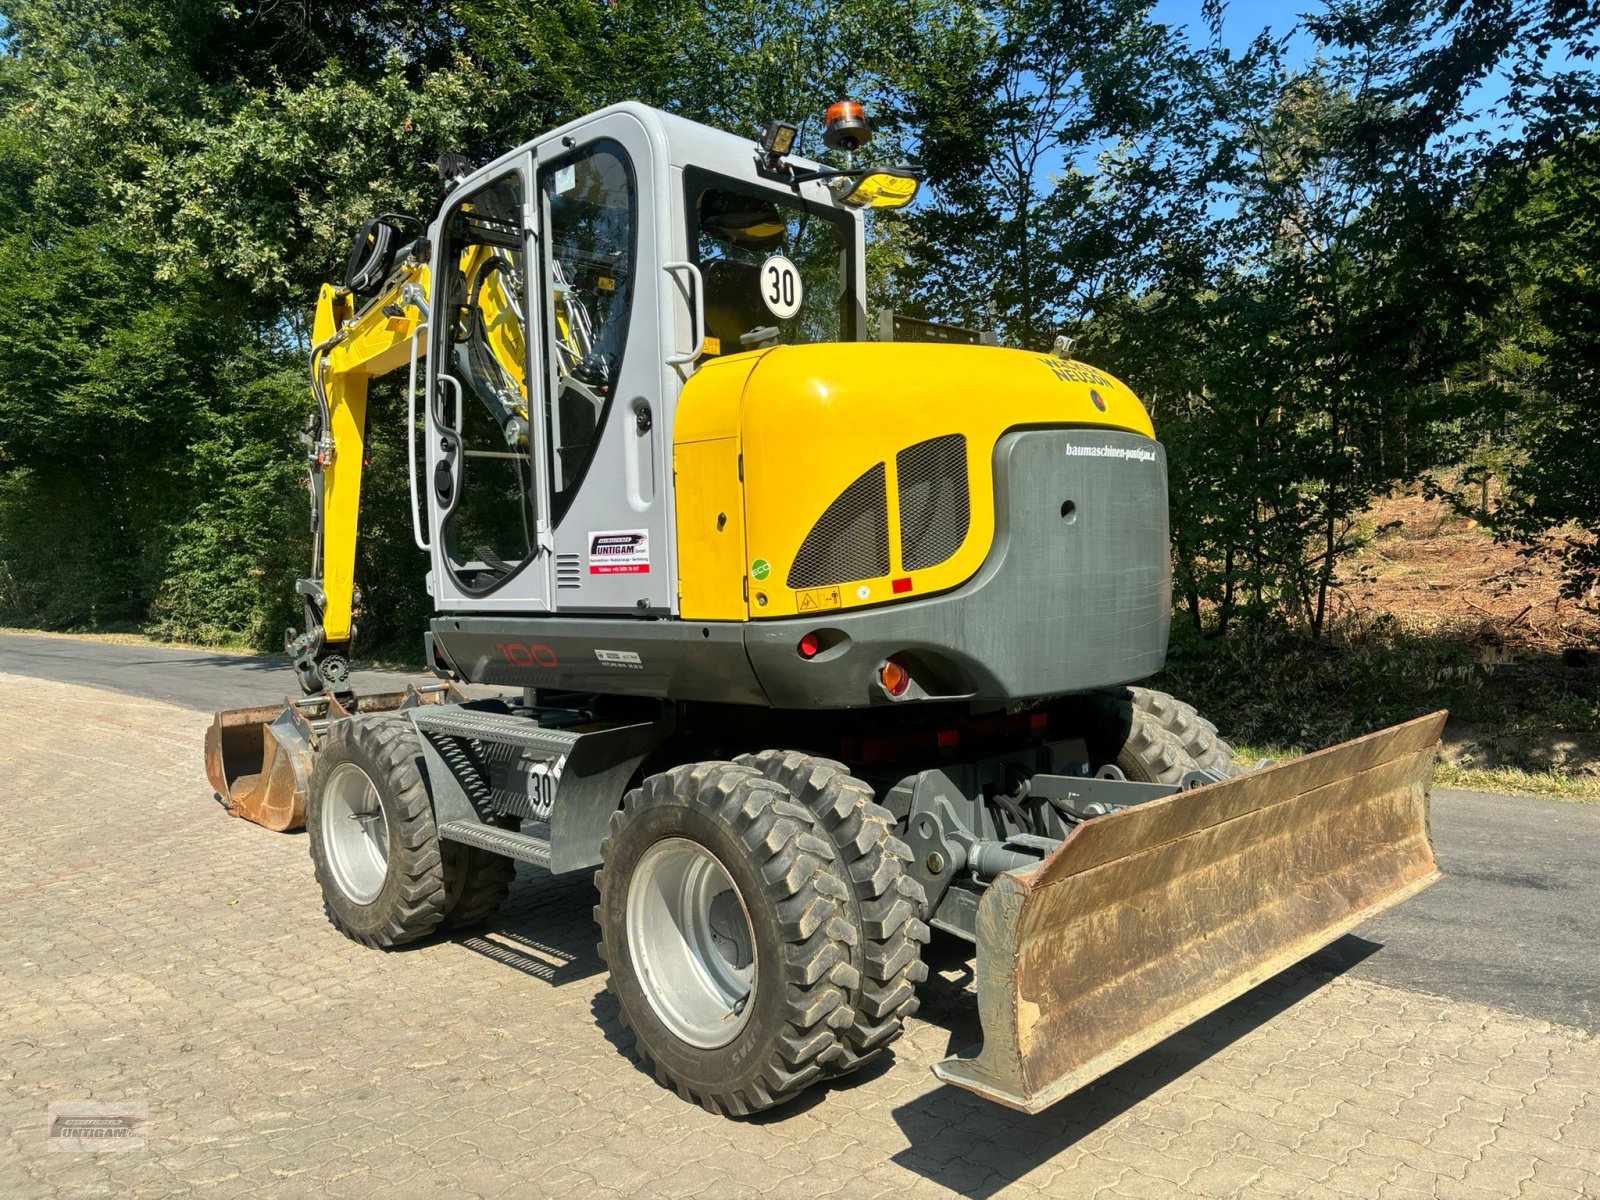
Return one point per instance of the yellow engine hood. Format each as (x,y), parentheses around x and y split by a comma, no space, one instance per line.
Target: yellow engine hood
(805,422)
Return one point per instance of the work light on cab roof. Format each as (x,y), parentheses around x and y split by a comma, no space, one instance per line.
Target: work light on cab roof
(880,185)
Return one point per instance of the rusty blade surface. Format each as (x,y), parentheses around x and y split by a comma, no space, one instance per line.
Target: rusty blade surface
(259,759)
(1142,921)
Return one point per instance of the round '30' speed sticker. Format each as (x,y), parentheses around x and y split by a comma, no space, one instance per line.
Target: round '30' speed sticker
(781,289)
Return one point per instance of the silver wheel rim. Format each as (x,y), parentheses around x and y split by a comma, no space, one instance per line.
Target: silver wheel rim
(691,944)
(355,833)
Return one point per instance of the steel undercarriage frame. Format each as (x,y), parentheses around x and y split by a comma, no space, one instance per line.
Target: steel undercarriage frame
(540,784)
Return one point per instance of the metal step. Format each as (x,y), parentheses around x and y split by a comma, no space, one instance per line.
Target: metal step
(525,847)
(502,728)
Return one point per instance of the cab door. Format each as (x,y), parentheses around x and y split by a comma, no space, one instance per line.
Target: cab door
(606,431)
(484,470)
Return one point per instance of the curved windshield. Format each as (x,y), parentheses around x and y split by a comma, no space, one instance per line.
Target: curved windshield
(776,268)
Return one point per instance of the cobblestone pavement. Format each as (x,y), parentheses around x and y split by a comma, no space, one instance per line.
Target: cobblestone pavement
(157,952)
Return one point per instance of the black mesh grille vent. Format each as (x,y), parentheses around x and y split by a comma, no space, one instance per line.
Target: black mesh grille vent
(849,541)
(934,507)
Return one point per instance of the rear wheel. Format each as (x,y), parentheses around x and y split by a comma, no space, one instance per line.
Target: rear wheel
(477,880)
(885,901)
(372,838)
(1152,737)
(480,881)
(1197,736)
(725,923)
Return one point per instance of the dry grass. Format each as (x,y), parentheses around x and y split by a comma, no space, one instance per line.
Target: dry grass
(1585,789)
(1432,614)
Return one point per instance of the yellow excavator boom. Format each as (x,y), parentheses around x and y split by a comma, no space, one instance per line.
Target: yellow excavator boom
(353,347)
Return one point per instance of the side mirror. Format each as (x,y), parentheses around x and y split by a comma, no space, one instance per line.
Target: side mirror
(373,251)
(371,256)
(881,187)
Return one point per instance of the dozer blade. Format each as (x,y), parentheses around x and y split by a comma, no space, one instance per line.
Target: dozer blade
(1146,919)
(259,759)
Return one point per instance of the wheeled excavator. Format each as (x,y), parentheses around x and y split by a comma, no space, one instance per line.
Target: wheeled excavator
(810,642)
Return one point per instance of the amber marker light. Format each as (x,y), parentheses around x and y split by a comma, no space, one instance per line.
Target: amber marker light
(894,678)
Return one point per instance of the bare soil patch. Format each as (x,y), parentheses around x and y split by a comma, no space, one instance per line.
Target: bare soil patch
(1537,653)
(1443,571)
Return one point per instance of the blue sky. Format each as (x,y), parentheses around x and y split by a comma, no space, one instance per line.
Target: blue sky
(1243,19)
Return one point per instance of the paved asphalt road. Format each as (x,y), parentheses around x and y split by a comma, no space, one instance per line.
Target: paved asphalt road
(202,679)
(1514,923)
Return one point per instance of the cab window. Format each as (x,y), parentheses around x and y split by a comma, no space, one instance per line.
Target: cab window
(483,397)
(744,239)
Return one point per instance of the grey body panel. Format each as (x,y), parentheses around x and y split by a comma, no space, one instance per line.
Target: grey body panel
(678,660)
(628,485)
(1058,606)
(589,765)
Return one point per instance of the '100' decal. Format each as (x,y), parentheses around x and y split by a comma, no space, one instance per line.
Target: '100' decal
(519,655)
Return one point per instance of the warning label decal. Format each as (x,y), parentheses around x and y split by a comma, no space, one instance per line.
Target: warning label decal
(619,552)
(817,599)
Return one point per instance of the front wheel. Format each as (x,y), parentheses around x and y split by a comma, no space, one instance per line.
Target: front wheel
(373,842)
(725,922)
(886,901)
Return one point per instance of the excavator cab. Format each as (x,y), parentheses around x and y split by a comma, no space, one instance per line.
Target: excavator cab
(811,642)
(581,282)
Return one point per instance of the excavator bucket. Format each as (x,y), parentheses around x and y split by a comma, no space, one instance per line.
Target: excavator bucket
(1148,918)
(259,759)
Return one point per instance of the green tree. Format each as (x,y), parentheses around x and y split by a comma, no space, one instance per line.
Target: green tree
(1527,174)
(1552,493)
(178,180)
(1323,280)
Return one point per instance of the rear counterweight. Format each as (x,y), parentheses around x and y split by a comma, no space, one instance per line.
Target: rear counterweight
(1075,592)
